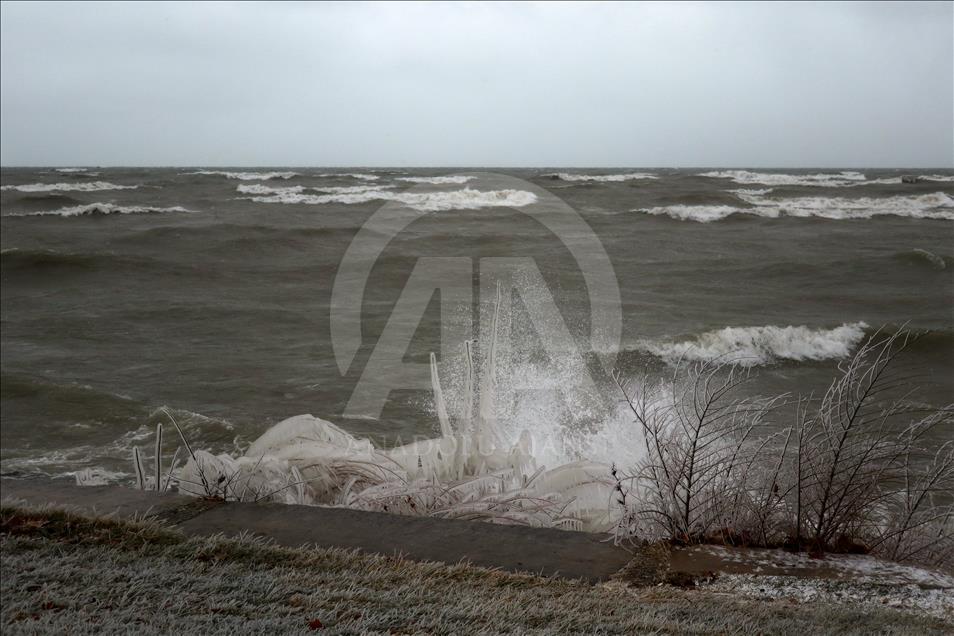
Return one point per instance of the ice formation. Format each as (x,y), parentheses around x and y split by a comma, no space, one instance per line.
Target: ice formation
(469,472)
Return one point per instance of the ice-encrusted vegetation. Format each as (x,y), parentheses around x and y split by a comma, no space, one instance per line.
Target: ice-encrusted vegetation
(851,471)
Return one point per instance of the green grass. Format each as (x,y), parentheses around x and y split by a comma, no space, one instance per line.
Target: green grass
(64,573)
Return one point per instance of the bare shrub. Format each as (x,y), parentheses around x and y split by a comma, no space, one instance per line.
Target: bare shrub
(853,472)
(862,478)
(698,438)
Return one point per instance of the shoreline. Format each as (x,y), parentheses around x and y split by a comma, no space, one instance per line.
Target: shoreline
(569,554)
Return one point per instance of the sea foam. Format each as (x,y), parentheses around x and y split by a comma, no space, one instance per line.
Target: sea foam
(248,176)
(453,179)
(746,177)
(94,209)
(629,176)
(846,179)
(753,346)
(353,175)
(465,199)
(937,205)
(93,186)
(262,189)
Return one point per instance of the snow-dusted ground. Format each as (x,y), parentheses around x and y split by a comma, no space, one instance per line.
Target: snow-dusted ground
(839,578)
(937,602)
(852,567)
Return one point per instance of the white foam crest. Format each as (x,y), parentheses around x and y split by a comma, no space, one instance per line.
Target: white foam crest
(94,209)
(290,191)
(701,213)
(358,189)
(746,177)
(353,175)
(71,169)
(93,186)
(751,191)
(258,188)
(456,179)
(248,176)
(629,176)
(466,199)
(937,177)
(754,346)
(937,205)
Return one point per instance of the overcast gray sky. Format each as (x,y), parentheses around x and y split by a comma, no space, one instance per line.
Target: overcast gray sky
(474,84)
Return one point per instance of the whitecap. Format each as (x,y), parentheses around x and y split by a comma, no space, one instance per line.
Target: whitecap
(353,175)
(629,176)
(94,209)
(746,177)
(466,199)
(453,179)
(248,176)
(259,188)
(700,213)
(93,186)
(937,205)
(751,191)
(753,346)
(262,189)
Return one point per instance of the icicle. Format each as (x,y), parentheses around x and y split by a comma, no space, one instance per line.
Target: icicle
(487,411)
(439,404)
(140,474)
(159,456)
(468,407)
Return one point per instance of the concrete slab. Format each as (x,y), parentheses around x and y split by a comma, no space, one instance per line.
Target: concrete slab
(512,548)
(97,500)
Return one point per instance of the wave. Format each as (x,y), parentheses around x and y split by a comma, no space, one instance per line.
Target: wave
(54,262)
(699,213)
(21,259)
(937,205)
(44,198)
(746,177)
(259,188)
(845,179)
(68,187)
(466,199)
(925,206)
(79,172)
(353,175)
(563,176)
(102,209)
(86,407)
(924,256)
(454,179)
(756,192)
(248,176)
(754,346)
